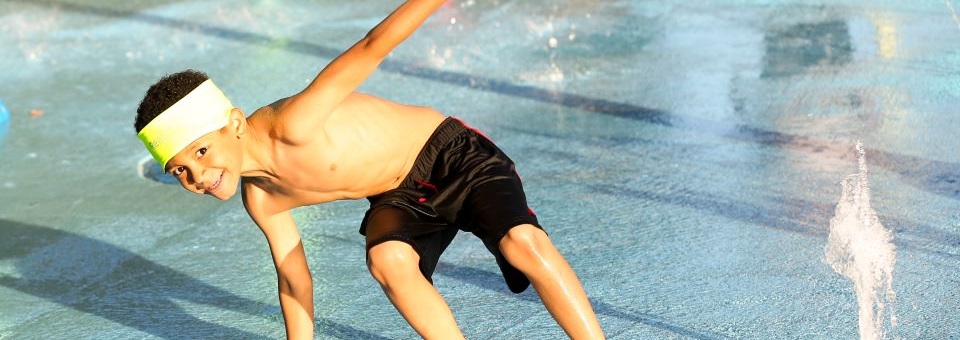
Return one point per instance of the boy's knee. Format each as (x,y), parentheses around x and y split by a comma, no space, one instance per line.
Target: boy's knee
(392,260)
(525,242)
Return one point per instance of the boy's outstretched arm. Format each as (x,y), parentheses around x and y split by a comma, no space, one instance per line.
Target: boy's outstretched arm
(344,74)
(294,283)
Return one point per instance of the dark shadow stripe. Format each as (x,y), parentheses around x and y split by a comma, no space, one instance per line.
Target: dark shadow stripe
(794,215)
(575,101)
(938,177)
(941,178)
(729,209)
(189,26)
(493,282)
(933,176)
(137,293)
(115,284)
(570,100)
(339,331)
(783,213)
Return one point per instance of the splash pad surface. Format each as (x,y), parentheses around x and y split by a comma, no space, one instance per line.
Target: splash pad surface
(686,157)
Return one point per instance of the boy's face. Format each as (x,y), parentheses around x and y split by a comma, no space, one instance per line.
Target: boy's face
(210,165)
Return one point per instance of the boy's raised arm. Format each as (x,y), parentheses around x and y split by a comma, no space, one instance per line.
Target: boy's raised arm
(345,73)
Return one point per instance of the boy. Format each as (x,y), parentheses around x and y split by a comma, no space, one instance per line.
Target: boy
(426,176)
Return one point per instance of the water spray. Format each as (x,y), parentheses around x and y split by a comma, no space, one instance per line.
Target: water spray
(860,248)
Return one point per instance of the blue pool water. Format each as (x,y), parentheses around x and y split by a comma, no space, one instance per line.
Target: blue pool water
(686,156)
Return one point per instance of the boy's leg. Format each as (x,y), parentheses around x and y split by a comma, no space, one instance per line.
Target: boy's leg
(394,264)
(403,270)
(529,249)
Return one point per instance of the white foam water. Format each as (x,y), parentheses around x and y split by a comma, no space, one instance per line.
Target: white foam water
(861,249)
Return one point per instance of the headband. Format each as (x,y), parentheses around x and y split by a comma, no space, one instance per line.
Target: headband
(203,110)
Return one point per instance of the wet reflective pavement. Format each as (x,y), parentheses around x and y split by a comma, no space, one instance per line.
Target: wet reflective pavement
(685,156)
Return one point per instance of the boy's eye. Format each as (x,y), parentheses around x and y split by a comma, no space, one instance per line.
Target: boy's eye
(177,171)
(201,151)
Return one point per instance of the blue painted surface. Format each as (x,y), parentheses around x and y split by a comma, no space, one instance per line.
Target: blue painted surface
(685,156)
(4,121)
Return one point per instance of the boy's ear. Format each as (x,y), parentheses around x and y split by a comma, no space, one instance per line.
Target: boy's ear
(237,122)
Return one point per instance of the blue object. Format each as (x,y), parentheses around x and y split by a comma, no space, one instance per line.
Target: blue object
(4,113)
(4,121)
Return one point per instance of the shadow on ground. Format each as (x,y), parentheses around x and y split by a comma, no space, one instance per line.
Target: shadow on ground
(113,283)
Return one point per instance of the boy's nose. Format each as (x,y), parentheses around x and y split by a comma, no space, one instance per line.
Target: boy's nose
(196,175)
(203,183)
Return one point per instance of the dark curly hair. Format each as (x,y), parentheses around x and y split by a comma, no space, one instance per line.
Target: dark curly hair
(164,93)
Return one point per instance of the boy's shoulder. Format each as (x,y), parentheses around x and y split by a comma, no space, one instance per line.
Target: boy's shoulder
(267,112)
(267,118)
(257,198)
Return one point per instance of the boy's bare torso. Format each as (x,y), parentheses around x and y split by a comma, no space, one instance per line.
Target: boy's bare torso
(366,147)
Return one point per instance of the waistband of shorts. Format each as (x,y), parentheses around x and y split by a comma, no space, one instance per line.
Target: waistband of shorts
(449,129)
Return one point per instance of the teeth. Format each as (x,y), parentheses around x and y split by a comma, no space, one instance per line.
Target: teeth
(215,185)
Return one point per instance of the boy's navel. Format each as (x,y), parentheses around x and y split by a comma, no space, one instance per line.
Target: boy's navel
(333,166)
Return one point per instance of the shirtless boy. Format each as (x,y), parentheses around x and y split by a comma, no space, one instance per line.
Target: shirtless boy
(426,176)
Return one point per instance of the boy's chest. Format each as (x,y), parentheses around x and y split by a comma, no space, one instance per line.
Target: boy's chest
(321,176)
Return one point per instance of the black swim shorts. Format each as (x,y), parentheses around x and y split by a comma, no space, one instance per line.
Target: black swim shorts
(460,181)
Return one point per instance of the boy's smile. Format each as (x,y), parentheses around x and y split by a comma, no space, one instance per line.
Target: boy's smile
(215,187)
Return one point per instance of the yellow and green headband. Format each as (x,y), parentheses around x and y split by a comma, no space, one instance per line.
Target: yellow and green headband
(202,111)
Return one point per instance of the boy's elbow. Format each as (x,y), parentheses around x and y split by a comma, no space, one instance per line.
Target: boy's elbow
(295,285)
(377,44)
(368,46)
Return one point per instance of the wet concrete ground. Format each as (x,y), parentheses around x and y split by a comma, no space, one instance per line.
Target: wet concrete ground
(685,156)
